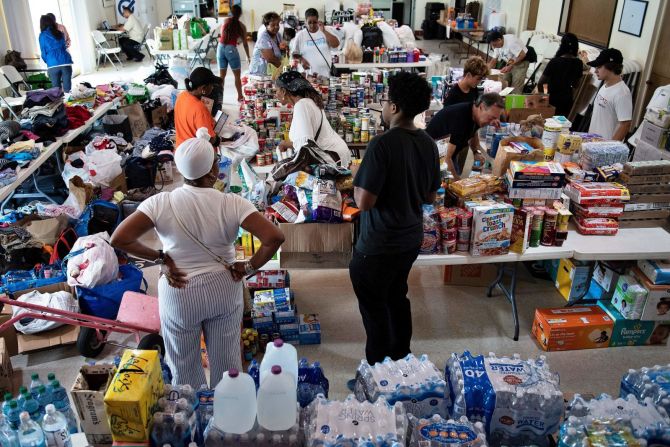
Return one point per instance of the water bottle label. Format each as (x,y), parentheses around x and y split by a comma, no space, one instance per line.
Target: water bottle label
(60,438)
(444,433)
(514,423)
(504,374)
(426,408)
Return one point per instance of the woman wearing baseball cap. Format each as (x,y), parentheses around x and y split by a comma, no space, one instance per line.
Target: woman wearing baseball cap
(190,113)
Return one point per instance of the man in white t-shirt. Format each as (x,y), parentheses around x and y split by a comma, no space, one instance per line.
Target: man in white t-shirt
(613,106)
(312,45)
(510,49)
(135,30)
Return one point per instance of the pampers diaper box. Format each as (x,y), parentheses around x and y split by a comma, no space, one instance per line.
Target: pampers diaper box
(657,306)
(634,332)
(569,328)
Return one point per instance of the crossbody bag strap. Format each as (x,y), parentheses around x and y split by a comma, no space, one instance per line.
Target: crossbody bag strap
(317,49)
(318,131)
(204,248)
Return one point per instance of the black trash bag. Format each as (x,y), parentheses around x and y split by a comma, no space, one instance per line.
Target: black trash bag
(161,76)
(140,172)
(117,124)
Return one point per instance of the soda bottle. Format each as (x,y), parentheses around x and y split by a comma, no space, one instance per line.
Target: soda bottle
(35,383)
(8,437)
(43,398)
(31,406)
(30,433)
(14,415)
(55,428)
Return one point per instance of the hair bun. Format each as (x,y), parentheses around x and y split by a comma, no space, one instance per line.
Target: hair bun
(202,133)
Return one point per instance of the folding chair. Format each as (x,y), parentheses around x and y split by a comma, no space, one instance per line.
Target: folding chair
(144,44)
(197,53)
(104,50)
(14,77)
(10,102)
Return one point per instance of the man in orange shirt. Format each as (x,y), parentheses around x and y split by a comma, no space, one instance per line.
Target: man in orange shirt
(190,113)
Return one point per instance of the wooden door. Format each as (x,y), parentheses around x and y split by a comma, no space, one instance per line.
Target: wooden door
(660,69)
(532,14)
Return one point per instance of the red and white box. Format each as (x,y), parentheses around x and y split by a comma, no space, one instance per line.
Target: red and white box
(596,193)
(599,226)
(268,279)
(600,211)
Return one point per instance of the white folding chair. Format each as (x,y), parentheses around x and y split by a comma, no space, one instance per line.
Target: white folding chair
(104,50)
(10,102)
(144,41)
(14,77)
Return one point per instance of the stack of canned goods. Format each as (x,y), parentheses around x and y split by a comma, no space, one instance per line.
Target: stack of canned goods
(464,226)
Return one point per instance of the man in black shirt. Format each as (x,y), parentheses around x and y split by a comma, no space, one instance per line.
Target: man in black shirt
(465,90)
(460,123)
(399,173)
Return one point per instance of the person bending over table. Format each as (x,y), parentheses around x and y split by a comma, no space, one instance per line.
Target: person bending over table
(135,31)
(309,120)
(267,49)
(512,50)
(190,113)
(465,90)
(200,287)
(399,174)
(312,45)
(460,122)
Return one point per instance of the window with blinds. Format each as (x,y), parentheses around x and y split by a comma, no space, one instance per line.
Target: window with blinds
(590,20)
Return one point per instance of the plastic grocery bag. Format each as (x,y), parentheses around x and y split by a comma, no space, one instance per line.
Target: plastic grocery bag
(246,143)
(353,54)
(105,166)
(58,300)
(92,262)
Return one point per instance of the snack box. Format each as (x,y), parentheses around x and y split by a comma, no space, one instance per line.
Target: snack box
(491,229)
(568,328)
(268,279)
(658,272)
(594,193)
(634,332)
(548,182)
(612,211)
(309,329)
(535,193)
(568,144)
(629,297)
(643,179)
(655,167)
(657,305)
(520,230)
(536,170)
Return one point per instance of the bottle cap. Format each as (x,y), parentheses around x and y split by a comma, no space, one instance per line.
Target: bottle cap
(41,389)
(35,376)
(29,396)
(25,417)
(22,389)
(278,343)
(55,384)
(50,409)
(233,372)
(51,376)
(276,369)
(13,404)
(8,396)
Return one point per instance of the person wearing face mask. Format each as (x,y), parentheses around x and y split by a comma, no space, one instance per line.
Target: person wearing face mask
(460,123)
(309,120)
(312,45)
(190,113)
(200,287)
(465,90)
(267,49)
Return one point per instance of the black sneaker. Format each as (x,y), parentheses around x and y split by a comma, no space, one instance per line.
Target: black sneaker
(351,384)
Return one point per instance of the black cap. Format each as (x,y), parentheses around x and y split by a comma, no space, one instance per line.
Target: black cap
(203,76)
(606,56)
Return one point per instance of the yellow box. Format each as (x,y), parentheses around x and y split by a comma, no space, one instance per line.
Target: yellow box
(132,395)
(572,279)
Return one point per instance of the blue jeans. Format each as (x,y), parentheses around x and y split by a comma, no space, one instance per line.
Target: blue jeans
(228,55)
(61,77)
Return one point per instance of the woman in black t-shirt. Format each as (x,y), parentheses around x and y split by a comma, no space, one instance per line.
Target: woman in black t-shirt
(562,75)
(465,90)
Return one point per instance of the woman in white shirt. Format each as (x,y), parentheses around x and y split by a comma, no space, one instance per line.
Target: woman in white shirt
(200,288)
(312,45)
(309,120)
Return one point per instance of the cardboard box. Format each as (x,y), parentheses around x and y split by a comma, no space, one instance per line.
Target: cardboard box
(568,328)
(572,279)
(654,135)
(316,245)
(657,306)
(606,277)
(9,335)
(309,329)
(6,370)
(658,272)
(596,292)
(629,297)
(635,332)
(520,230)
(648,152)
(131,397)
(476,275)
(60,336)
(88,395)
(517,115)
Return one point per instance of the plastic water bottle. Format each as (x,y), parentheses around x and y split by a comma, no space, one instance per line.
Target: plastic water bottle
(235,402)
(22,396)
(55,428)
(161,432)
(277,400)
(44,398)
(254,372)
(62,403)
(35,383)
(14,415)
(32,407)
(5,404)
(8,437)
(281,354)
(51,377)
(182,431)
(30,433)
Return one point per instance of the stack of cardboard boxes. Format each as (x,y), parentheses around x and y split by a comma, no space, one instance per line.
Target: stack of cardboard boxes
(649,185)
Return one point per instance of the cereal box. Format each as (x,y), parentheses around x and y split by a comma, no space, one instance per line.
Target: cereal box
(520,230)
(491,229)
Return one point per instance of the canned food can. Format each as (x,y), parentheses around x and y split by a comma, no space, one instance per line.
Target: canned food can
(449,235)
(463,234)
(464,219)
(448,247)
(260,159)
(463,246)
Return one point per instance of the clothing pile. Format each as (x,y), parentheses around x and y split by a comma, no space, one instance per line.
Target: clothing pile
(44,113)
(77,116)
(108,93)
(82,95)
(163,93)
(22,152)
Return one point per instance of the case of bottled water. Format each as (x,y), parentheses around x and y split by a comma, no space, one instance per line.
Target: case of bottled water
(651,382)
(647,423)
(311,382)
(330,423)
(517,400)
(439,432)
(176,417)
(258,436)
(416,382)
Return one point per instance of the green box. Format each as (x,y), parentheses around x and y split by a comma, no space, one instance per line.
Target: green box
(515,102)
(634,332)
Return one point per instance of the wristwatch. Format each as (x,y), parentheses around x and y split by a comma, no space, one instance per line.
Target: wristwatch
(248,268)
(161,258)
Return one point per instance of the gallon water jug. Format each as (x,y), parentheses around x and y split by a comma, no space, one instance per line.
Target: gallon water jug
(282,354)
(277,401)
(235,403)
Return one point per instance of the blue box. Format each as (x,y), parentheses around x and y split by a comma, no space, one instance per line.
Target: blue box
(286,317)
(310,329)
(288,329)
(263,323)
(291,338)
(596,292)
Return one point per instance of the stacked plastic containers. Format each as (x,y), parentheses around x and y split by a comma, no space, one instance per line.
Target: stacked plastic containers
(354,423)
(518,401)
(438,432)
(622,422)
(175,422)
(651,382)
(415,382)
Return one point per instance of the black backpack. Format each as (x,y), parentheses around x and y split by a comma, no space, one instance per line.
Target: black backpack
(531,55)
(372,36)
(140,172)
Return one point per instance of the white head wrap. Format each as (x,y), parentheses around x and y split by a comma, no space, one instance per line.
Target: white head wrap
(194,157)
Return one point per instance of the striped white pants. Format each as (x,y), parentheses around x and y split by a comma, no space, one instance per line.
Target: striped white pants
(211,303)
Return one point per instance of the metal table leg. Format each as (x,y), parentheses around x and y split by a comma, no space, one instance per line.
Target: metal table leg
(509,293)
